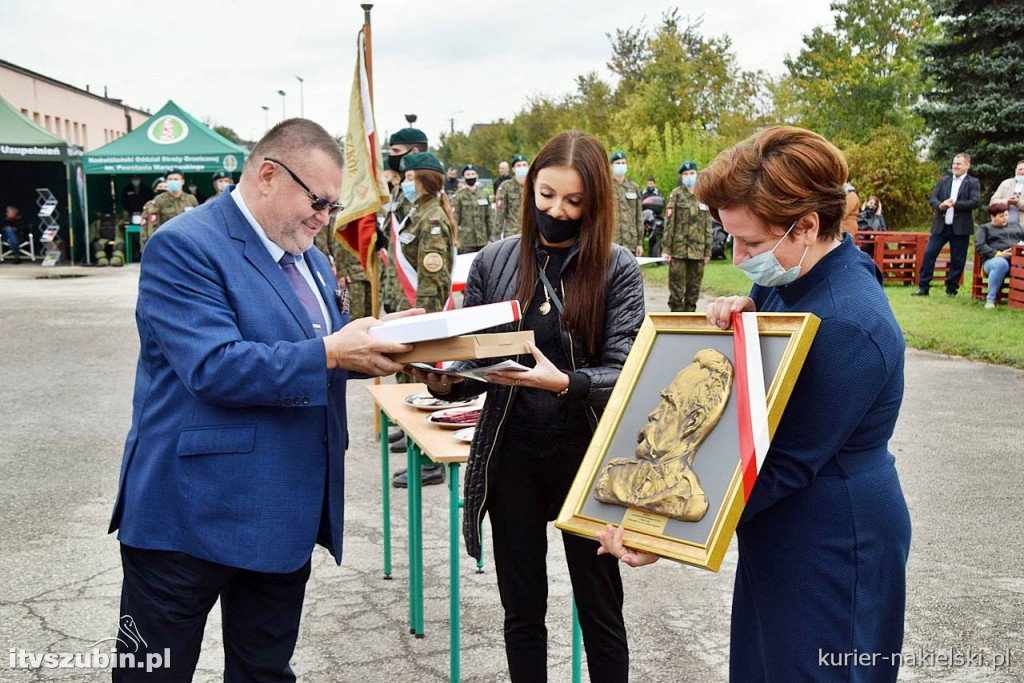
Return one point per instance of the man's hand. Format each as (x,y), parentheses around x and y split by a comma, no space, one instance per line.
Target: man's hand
(640,250)
(667,256)
(352,348)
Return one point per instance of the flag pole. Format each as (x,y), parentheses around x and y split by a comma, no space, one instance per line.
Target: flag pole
(375,271)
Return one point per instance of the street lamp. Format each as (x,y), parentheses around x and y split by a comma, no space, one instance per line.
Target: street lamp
(281,93)
(302,103)
(266,117)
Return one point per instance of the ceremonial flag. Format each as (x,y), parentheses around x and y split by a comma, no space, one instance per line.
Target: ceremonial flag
(363,190)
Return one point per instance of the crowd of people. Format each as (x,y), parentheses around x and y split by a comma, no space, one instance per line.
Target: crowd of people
(248,338)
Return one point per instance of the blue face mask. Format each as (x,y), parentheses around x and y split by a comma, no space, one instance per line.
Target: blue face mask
(619,170)
(521,172)
(409,190)
(765,269)
(174,186)
(689,180)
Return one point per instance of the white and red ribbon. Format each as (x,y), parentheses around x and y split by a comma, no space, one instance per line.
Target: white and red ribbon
(751,400)
(406,271)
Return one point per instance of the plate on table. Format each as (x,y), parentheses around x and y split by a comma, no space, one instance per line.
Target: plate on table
(455,418)
(424,401)
(465,435)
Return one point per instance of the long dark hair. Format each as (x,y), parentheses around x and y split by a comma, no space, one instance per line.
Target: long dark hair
(432,183)
(584,297)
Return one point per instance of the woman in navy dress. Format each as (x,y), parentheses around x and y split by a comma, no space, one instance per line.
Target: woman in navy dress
(824,538)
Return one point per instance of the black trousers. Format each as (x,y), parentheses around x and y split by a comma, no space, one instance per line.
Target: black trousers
(957,258)
(528,494)
(167,595)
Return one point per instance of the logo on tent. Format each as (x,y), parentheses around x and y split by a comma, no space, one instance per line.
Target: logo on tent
(230,162)
(167,130)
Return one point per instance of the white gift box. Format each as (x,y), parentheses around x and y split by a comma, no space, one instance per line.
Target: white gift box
(445,324)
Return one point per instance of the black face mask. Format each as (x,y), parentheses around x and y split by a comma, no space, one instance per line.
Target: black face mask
(554,230)
(391,187)
(471,181)
(394,161)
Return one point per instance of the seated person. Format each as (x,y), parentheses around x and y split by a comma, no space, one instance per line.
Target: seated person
(107,241)
(994,243)
(13,228)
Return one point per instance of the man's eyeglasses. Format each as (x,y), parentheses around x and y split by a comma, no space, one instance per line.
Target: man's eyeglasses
(318,202)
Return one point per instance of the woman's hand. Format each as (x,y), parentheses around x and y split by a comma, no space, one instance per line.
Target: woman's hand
(439,384)
(543,376)
(611,544)
(720,310)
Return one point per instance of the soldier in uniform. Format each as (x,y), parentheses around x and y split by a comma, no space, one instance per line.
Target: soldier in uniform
(425,257)
(630,231)
(509,201)
(401,143)
(687,242)
(472,210)
(107,244)
(166,206)
(221,181)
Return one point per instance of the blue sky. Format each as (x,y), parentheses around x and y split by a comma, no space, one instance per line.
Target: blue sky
(467,61)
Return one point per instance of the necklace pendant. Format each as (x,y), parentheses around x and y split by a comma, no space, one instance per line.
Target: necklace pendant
(545,308)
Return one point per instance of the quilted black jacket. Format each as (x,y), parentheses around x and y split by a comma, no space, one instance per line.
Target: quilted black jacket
(493,278)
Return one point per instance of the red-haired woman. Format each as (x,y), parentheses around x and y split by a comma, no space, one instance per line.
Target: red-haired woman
(584,299)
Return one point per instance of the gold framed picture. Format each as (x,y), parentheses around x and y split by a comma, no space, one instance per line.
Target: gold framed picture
(665,460)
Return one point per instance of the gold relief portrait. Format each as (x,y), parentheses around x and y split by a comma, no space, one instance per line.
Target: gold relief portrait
(660,477)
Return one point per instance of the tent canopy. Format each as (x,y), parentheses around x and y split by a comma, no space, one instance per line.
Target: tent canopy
(170,138)
(24,140)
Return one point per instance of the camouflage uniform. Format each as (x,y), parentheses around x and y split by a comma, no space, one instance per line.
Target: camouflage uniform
(389,287)
(105,232)
(161,209)
(687,240)
(426,243)
(630,224)
(472,212)
(509,203)
(347,265)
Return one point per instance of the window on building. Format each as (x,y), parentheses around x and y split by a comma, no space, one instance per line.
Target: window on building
(56,125)
(67,130)
(85,135)
(49,122)
(78,139)
(35,116)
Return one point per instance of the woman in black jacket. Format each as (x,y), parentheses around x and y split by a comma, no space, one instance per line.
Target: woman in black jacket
(584,299)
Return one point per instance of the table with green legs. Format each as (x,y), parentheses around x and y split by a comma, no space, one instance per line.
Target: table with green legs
(427,444)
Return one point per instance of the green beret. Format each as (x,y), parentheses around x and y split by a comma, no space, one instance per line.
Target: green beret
(468,167)
(408,136)
(423,161)
(618,154)
(174,170)
(688,166)
(159,180)
(517,158)
(222,174)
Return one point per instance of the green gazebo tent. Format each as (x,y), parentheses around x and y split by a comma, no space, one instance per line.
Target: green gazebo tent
(31,157)
(171,138)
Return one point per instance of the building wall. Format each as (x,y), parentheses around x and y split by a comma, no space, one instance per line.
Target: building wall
(80,117)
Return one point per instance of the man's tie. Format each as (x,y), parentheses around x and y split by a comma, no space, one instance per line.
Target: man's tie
(304,293)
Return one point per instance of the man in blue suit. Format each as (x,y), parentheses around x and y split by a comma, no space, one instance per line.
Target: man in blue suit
(234,465)
(954,198)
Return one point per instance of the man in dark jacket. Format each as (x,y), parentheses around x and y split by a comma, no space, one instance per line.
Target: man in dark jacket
(954,198)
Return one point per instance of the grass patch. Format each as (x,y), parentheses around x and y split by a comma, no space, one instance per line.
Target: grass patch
(956,327)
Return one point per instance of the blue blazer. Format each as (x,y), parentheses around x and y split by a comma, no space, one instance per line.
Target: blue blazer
(238,432)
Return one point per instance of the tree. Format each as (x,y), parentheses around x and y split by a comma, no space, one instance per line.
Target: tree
(977,68)
(863,74)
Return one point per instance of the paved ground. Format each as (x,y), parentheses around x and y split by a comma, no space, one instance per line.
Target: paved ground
(66,374)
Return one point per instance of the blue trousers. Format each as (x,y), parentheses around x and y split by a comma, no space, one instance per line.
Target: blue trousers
(11,237)
(996,268)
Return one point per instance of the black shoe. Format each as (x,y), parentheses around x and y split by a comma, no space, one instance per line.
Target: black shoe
(951,293)
(921,291)
(395,434)
(429,475)
(398,446)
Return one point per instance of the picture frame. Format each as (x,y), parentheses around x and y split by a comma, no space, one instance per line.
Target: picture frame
(616,464)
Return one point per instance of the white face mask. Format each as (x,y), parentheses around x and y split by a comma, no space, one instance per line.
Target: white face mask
(619,170)
(765,269)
